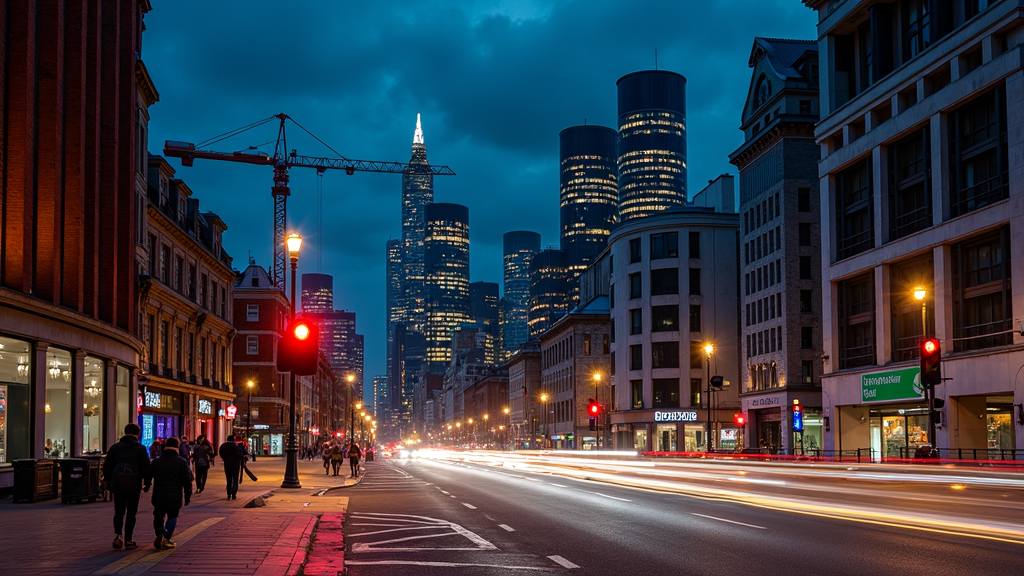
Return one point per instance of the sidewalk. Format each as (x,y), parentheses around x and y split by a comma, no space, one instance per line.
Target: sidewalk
(214,535)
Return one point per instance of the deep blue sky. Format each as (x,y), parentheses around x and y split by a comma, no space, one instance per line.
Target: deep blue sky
(495,81)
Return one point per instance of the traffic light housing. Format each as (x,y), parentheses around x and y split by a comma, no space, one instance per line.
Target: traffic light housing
(740,419)
(593,408)
(299,348)
(931,363)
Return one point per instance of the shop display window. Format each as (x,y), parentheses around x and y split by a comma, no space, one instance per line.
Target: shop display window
(57,419)
(15,400)
(92,404)
(666,438)
(123,401)
(693,438)
(1000,431)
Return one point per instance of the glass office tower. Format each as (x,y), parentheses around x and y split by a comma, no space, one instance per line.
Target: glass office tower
(652,142)
(446,268)
(519,247)
(588,192)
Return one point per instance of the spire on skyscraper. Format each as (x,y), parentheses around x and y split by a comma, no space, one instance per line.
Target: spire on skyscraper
(417,137)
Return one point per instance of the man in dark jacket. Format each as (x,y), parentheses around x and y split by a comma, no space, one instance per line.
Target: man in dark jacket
(126,464)
(171,480)
(231,458)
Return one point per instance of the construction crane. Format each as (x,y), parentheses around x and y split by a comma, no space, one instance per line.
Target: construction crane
(282,160)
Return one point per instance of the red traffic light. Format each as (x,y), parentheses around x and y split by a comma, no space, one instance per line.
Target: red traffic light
(930,346)
(739,419)
(298,350)
(931,369)
(594,408)
(301,330)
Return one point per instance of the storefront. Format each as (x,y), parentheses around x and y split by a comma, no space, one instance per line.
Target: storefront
(678,430)
(160,414)
(774,427)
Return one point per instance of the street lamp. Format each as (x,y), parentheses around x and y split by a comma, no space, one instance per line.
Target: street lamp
(352,423)
(508,424)
(919,295)
(597,397)
(291,467)
(544,400)
(248,417)
(709,348)
(487,432)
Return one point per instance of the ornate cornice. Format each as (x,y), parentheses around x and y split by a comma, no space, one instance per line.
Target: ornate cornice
(145,84)
(780,131)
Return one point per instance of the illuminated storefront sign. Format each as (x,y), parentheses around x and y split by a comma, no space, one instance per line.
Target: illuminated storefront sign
(684,416)
(205,407)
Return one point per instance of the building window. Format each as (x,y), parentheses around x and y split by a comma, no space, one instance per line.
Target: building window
(637,393)
(982,311)
(694,244)
(179,272)
(179,344)
(696,355)
(165,342)
(252,345)
(916,28)
(975,7)
(664,245)
(203,281)
(636,357)
(906,311)
(806,372)
(165,264)
(857,322)
(909,198)
(854,219)
(805,107)
(803,199)
(634,250)
(806,337)
(665,355)
(252,312)
(666,393)
(664,318)
(636,324)
(807,301)
(635,285)
(586,344)
(694,282)
(695,390)
(694,318)
(605,344)
(190,282)
(664,281)
(805,267)
(978,149)
(805,233)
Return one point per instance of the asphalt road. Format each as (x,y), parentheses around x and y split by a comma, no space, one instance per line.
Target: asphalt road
(425,517)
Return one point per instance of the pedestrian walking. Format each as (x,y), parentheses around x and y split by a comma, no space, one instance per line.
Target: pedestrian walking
(202,458)
(325,453)
(246,455)
(154,449)
(231,458)
(172,483)
(124,468)
(353,458)
(337,454)
(185,451)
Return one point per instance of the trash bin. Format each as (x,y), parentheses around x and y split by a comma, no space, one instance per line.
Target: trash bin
(35,480)
(80,479)
(369,455)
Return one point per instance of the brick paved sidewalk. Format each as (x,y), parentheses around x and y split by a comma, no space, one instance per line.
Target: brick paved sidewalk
(214,535)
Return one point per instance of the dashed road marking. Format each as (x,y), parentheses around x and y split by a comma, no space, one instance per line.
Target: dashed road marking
(559,485)
(612,497)
(506,528)
(729,521)
(468,505)
(563,562)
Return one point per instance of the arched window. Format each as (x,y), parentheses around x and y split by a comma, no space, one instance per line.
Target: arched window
(764,91)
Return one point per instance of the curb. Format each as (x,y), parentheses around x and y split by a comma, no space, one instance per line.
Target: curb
(359,479)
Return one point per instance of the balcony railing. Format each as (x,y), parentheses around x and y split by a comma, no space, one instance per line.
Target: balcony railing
(988,335)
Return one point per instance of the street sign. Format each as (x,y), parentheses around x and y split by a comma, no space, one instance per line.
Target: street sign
(892,385)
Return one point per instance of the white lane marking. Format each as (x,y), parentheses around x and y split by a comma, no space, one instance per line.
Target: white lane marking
(729,521)
(612,497)
(506,528)
(445,492)
(451,495)
(559,485)
(418,522)
(470,506)
(565,563)
(391,530)
(441,564)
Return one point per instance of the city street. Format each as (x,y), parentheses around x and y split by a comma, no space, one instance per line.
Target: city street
(438,517)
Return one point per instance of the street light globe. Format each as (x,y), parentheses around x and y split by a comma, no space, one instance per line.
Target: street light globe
(250,383)
(709,348)
(597,377)
(486,416)
(470,420)
(294,243)
(919,293)
(505,410)
(350,378)
(544,397)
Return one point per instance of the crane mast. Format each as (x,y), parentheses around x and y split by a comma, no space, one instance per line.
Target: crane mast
(281,161)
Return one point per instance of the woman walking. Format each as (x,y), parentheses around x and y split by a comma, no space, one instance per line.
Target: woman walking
(202,457)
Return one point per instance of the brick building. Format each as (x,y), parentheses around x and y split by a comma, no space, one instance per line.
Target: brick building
(524,395)
(73,133)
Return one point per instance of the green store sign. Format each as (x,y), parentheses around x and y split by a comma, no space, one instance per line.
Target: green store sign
(893,385)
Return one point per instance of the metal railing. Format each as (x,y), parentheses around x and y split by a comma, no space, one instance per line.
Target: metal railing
(981,455)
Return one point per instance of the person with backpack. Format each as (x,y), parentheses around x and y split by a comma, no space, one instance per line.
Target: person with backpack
(125,466)
(202,458)
(337,453)
(171,480)
(353,458)
(231,456)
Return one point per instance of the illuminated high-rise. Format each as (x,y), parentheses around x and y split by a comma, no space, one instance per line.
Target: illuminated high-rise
(483,308)
(317,293)
(549,290)
(417,193)
(652,142)
(446,274)
(519,247)
(588,193)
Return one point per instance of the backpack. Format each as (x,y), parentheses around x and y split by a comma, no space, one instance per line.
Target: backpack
(125,478)
(336,453)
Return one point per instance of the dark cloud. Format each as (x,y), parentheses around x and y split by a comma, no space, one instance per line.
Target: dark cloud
(495,80)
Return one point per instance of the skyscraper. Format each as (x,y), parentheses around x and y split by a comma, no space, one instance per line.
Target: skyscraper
(549,290)
(395,310)
(519,247)
(317,293)
(652,142)
(417,193)
(446,274)
(588,192)
(483,308)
